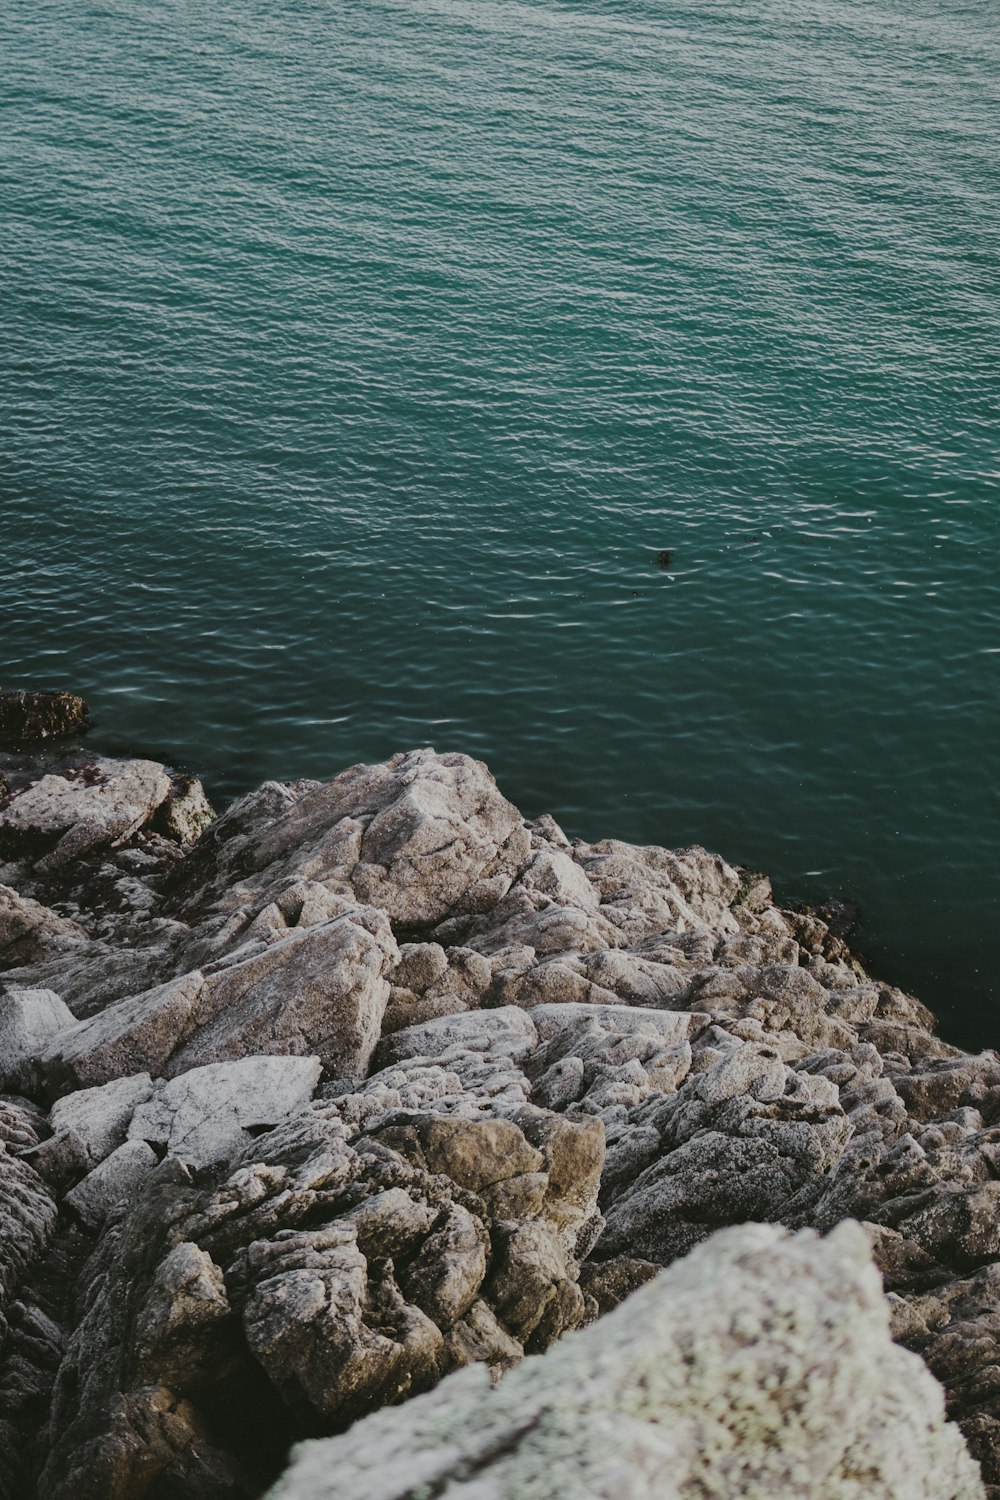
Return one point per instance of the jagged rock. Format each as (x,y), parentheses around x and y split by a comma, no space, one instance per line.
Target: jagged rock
(209,1114)
(355,1268)
(62,817)
(28,716)
(429,982)
(440,1203)
(186,811)
(110,1185)
(507,1031)
(28,1211)
(420,837)
(100,1117)
(30,932)
(739,1140)
(320,991)
(29,1021)
(760,1366)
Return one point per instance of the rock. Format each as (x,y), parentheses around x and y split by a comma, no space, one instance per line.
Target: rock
(519,1035)
(27,716)
(739,1140)
(28,1210)
(29,1022)
(186,812)
(320,991)
(209,1114)
(62,817)
(762,1365)
(507,1031)
(30,932)
(111,1185)
(349,1267)
(421,837)
(100,1117)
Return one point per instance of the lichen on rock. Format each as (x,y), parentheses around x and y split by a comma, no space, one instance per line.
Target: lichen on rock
(378,1080)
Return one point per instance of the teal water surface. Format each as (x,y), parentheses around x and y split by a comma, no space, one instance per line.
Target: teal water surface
(358,357)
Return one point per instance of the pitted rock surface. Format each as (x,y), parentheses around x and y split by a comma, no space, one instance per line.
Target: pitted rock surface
(513,1074)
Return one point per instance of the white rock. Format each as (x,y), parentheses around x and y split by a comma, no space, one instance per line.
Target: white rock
(100,1116)
(204,1116)
(111,1184)
(78,815)
(506,1030)
(761,1366)
(550,1019)
(29,1021)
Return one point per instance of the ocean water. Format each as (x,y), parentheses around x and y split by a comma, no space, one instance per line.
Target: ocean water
(358,357)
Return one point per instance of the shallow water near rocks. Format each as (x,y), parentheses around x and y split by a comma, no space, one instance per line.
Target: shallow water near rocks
(359,360)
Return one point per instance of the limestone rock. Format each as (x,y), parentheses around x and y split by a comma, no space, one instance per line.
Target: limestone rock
(28,1211)
(30,932)
(760,1366)
(100,1117)
(508,1031)
(350,1267)
(110,1185)
(186,811)
(421,836)
(320,991)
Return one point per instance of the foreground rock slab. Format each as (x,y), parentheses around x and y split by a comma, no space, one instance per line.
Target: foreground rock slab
(761,1366)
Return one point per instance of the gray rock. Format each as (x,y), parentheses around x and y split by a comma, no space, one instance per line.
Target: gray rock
(29,1021)
(320,991)
(507,1031)
(761,1366)
(208,1115)
(28,1212)
(420,837)
(62,817)
(186,811)
(30,932)
(100,1117)
(111,1185)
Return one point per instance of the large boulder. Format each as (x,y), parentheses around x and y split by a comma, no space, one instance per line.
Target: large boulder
(29,1021)
(421,836)
(62,817)
(760,1366)
(320,991)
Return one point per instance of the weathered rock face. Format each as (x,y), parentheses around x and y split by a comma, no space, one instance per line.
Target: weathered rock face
(26,717)
(330,1272)
(421,837)
(378,1080)
(761,1366)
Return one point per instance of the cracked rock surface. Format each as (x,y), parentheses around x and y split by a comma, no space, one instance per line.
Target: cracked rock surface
(674,1396)
(377,1080)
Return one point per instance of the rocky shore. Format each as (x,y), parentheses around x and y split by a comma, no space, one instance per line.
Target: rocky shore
(369,1113)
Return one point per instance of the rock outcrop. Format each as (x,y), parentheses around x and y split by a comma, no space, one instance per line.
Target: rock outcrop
(377,1080)
(760,1366)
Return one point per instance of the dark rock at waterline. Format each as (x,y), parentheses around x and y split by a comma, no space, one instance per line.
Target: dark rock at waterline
(840,914)
(26,716)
